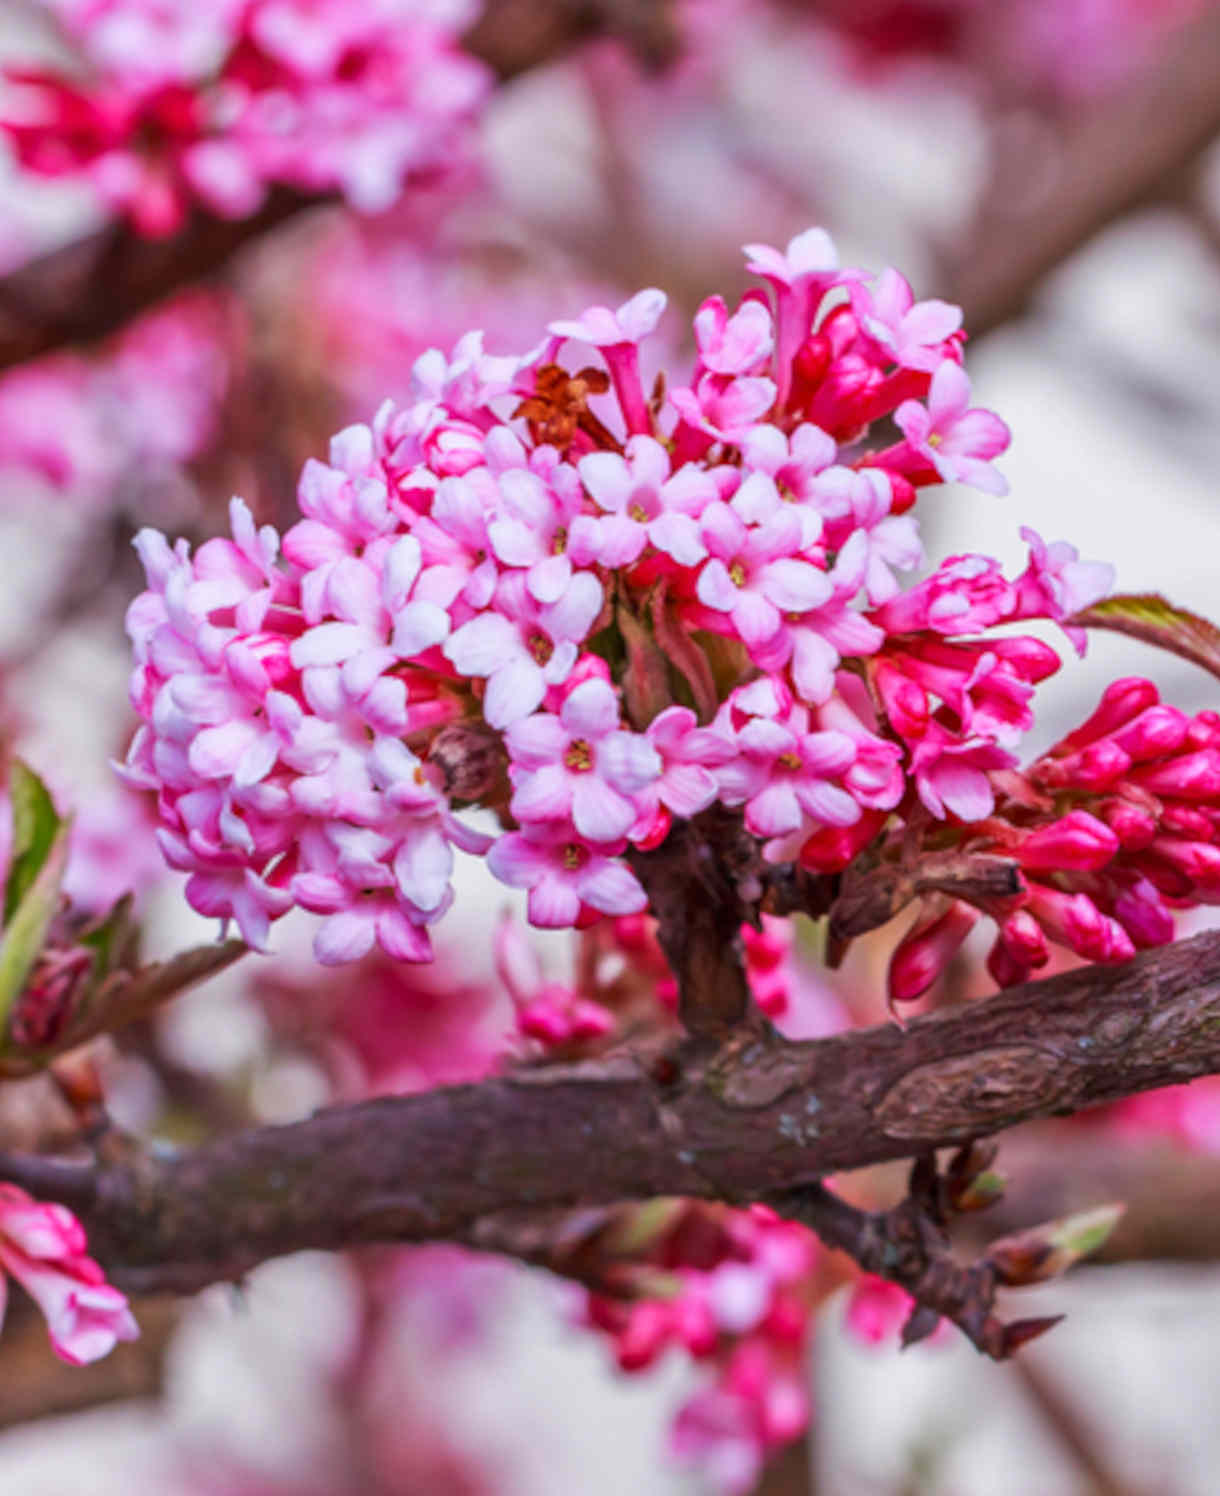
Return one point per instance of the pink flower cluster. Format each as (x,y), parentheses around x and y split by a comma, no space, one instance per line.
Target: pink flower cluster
(591,610)
(180,103)
(1113,829)
(740,1286)
(1069,47)
(151,403)
(43,1248)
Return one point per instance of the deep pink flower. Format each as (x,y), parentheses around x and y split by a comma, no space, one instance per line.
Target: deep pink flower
(43,1247)
(952,438)
(581,765)
(564,873)
(755,574)
(912,334)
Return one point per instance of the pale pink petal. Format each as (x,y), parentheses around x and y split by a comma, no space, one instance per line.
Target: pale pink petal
(609,885)
(513,691)
(591,709)
(598,812)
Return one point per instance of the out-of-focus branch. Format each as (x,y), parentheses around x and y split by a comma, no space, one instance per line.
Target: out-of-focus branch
(91,288)
(747,1119)
(1126,149)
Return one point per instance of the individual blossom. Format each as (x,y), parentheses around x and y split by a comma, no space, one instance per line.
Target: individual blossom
(43,1248)
(581,764)
(947,435)
(565,874)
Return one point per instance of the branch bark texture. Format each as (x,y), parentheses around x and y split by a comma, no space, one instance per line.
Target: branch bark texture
(749,1119)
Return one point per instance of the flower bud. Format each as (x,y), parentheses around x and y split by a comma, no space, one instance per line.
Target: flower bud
(1078,842)
(925,952)
(1155,732)
(1099,766)
(1121,701)
(1190,776)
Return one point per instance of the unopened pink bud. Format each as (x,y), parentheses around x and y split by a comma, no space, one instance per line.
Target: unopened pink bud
(1121,701)
(1024,940)
(1190,776)
(926,951)
(589,1020)
(695,1327)
(1144,917)
(1186,820)
(906,703)
(1097,767)
(648,1328)
(544,1021)
(1078,842)
(1154,733)
(1134,825)
(1198,861)
(1030,658)
(1003,969)
(877,1309)
(785,1410)
(903,492)
(1075,921)
(1204,731)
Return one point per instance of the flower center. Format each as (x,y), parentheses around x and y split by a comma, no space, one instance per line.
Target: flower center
(573,856)
(579,756)
(789,760)
(935,439)
(637,512)
(559,543)
(540,647)
(737,574)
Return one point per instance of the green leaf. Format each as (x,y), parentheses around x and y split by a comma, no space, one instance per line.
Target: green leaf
(26,932)
(35,825)
(1086,1231)
(1048,1250)
(1155,620)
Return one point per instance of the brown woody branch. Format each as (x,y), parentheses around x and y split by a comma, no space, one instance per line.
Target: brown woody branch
(747,1120)
(1128,148)
(94,286)
(909,1245)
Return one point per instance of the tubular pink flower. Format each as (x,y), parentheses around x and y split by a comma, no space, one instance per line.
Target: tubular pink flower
(532,528)
(800,278)
(523,647)
(43,1247)
(964,595)
(1057,583)
(581,765)
(951,774)
(787,772)
(912,334)
(617,335)
(951,438)
(643,503)
(564,874)
(755,574)
(733,344)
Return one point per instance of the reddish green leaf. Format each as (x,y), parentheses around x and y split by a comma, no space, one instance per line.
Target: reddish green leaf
(1155,620)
